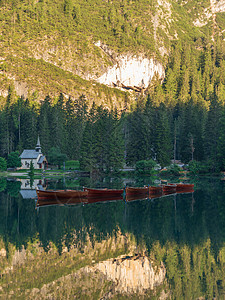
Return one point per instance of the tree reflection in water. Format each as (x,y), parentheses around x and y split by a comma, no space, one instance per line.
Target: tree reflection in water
(184,232)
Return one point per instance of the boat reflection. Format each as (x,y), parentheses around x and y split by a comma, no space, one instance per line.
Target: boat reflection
(129,198)
(89,200)
(104,199)
(61,201)
(185,192)
(74,201)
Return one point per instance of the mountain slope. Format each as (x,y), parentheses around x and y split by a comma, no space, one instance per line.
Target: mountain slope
(53,46)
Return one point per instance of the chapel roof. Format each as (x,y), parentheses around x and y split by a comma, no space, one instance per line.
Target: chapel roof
(30,154)
(41,159)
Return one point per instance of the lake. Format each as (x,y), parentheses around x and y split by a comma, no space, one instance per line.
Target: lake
(170,247)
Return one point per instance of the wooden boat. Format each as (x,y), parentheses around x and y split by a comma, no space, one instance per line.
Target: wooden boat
(184,186)
(155,190)
(60,194)
(169,188)
(187,191)
(104,192)
(136,191)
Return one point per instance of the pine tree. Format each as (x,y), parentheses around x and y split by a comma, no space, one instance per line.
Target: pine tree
(28,125)
(150,121)
(80,107)
(170,86)
(117,158)
(31,171)
(114,146)
(44,124)
(211,133)
(221,140)
(176,59)
(70,128)
(185,132)
(87,159)
(163,137)
(100,146)
(137,143)
(207,68)
(184,85)
(8,126)
(57,124)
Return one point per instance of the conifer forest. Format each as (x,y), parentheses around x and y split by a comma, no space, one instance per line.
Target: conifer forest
(182,118)
(52,54)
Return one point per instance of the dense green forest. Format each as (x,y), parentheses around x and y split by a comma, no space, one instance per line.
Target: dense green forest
(182,118)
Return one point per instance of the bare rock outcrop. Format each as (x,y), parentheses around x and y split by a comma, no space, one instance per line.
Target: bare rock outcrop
(132,71)
(131,274)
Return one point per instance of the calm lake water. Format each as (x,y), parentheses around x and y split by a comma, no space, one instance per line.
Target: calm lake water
(172,247)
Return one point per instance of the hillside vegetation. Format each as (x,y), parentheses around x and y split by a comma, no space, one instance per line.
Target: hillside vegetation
(49,54)
(47,46)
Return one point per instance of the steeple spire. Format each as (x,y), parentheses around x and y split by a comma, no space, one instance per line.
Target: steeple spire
(38,146)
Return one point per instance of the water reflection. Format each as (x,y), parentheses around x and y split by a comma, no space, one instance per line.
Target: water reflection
(28,187)
(183,234)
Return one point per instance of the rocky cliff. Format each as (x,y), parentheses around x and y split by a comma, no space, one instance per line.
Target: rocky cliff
(134,274)
(131,71)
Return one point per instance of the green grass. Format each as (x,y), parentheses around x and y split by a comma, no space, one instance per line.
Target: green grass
(20,171)
(73,165)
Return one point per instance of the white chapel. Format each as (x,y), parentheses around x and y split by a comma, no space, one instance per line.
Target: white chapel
(35,156)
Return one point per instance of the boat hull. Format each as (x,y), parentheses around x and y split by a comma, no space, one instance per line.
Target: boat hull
(104,193)
(184,187)
(60,194)
(169,188)
(155,190)
(132,191)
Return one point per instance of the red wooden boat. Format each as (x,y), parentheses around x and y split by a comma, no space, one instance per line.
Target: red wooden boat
(104,192)
(185,191)
(60,194)
(169,188)
(136,191)
(155,190)
(184,186)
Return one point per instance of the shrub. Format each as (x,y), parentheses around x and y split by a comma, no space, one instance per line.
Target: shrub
(3,164)
(172,170)
(146,167)
(13,160)
(73,164)
(194,167)
(2,184)
(31,172)
(206,167)
(55,157)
